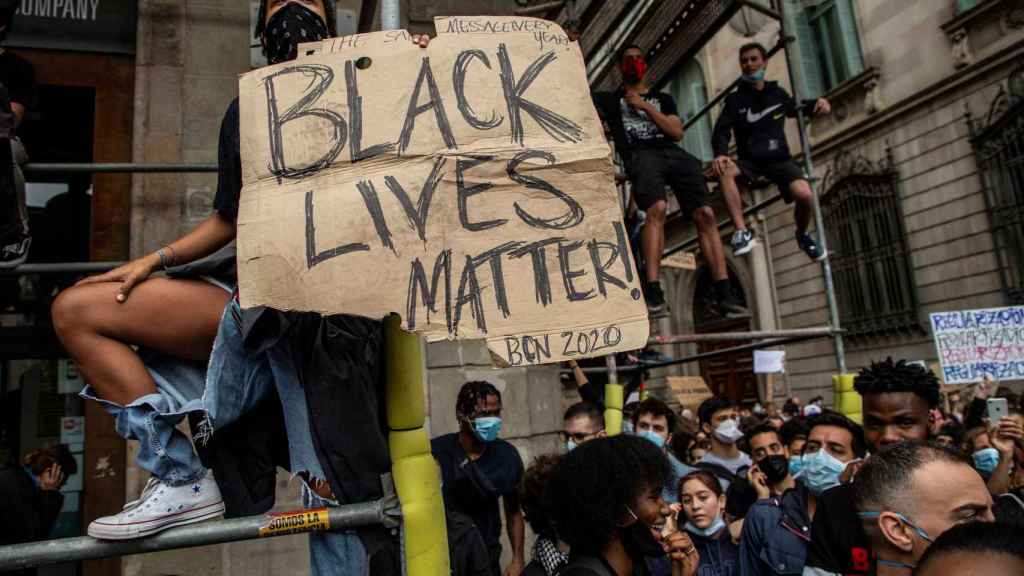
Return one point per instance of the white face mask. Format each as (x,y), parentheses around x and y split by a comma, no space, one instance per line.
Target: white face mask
(728,432)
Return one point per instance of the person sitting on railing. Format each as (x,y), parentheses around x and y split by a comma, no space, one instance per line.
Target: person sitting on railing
(17,94)
(756,113)
(103,320)
(646,127)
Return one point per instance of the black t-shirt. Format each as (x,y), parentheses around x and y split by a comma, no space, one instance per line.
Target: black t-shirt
(229,164)
(17,84)
(633,129)
(474,487)
(838,543)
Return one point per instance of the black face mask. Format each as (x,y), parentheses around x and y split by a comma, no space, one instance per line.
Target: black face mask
(289,27)
(639,541)
(774,467)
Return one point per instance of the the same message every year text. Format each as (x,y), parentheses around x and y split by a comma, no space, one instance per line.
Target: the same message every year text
(607,255)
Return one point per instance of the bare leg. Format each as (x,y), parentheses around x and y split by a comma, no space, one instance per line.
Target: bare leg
(653,239)
(710,242)
(175,317)
(803,205)
(731,191)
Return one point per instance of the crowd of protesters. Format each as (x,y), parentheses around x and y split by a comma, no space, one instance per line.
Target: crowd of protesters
(804,490)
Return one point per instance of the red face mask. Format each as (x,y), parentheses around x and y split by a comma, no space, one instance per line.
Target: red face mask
(633,68)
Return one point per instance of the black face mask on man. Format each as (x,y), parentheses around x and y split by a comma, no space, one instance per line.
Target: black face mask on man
(289,27)
(775,468)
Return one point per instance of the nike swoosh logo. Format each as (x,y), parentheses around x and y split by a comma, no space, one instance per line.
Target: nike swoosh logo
(755,118)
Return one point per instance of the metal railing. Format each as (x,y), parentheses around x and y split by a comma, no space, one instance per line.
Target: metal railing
(384,512)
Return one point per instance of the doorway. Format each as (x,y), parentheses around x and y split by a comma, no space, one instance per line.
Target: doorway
(730,375)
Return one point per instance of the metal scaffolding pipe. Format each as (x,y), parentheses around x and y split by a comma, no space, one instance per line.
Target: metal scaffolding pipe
(379,512)
(724,224)
(113,167)
(60,268)
(702,355)
(754,335)
(819,223)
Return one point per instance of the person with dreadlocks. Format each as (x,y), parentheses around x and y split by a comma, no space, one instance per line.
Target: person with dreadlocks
(478,469)
(897,401)
(605,498)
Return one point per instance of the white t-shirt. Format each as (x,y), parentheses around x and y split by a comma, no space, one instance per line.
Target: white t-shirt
(732,465)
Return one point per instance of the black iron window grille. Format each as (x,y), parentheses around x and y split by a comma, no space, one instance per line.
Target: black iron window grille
(998,141)
(874,276)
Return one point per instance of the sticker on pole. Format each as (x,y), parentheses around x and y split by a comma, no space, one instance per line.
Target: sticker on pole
(973,344)
(467,187)
(296,522)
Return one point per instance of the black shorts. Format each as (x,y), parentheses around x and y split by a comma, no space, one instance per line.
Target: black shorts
(652,169)
(782,174)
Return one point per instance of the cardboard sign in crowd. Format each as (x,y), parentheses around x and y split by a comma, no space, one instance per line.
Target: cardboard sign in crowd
(467,187)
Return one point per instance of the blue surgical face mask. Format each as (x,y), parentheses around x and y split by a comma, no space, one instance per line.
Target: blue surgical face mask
(796,464)
(487,427)
(755,77)
(653,437)
(708,532)
(821,471)
(986,460)
(570,446)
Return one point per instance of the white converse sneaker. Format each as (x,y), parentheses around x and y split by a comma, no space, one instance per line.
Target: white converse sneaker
(160,507)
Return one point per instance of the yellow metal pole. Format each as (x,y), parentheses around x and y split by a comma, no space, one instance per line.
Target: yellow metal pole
(613,392)
(416,476)
(846,400)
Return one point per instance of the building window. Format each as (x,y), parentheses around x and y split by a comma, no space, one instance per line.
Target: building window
(691,95)
(871,266)
(998,141)
(830,51)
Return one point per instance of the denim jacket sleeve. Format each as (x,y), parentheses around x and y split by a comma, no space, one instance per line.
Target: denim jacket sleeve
(752,540)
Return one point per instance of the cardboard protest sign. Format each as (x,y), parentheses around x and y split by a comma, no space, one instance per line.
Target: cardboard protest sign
(467,186)
(973,344)
(690,390)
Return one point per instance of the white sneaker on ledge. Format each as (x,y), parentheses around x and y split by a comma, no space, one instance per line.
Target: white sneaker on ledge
(161,507)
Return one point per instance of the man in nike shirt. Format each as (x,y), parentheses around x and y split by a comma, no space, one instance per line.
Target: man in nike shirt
(756,114)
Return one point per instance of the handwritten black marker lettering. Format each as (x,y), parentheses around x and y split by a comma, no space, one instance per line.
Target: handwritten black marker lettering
(564,253)
(372,201)
(464,193)
(459,84)
(539,349)
(624,252)
(469,293)
(541,279)
(322,76)
(557,126)
(417,214)
(571,218)
(355,125)
(312,256)
(436,104)
(493,256)
(601,266)
(418,279)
